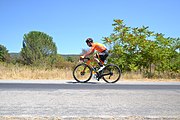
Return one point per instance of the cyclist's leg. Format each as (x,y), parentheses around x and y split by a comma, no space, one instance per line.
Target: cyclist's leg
(98,59)
(103,56)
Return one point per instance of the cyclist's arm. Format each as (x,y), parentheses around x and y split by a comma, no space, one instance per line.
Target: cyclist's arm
(88,53)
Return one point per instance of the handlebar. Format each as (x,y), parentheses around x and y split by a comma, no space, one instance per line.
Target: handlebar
(86,58)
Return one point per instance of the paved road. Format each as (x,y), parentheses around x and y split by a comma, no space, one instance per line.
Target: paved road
(91,99)
(95,85)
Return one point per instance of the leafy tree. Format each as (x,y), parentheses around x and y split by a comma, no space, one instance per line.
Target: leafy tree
(38,48)
(4,55)
(140,49)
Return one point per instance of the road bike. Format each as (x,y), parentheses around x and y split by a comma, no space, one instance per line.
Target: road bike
(84,71)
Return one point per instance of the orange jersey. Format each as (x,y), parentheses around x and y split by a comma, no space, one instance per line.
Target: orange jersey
(97,46)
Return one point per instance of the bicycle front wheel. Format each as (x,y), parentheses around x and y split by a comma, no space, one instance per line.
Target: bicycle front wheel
(82,73)
(111,73)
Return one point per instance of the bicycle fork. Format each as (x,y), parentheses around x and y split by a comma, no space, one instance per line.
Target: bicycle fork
(83,71)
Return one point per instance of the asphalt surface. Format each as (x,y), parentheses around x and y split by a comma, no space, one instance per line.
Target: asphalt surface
(34,86)
(68,99)
(94,85)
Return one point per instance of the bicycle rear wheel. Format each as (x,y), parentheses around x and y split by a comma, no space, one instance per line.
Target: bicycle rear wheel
(82,73)
(111,73)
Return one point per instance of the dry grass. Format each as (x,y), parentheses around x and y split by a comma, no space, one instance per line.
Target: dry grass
(24,72)
(132,76)
(139,77)
(16,72)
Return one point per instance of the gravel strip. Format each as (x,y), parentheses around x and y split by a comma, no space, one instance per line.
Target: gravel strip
(85,118)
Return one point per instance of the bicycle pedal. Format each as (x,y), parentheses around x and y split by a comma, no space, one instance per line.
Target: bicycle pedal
(96,77)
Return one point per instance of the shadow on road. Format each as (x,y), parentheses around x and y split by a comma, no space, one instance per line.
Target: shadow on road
(84,83)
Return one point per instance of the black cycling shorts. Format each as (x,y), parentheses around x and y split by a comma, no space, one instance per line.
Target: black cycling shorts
(103,55)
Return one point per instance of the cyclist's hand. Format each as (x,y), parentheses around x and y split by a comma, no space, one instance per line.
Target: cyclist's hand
(82,57)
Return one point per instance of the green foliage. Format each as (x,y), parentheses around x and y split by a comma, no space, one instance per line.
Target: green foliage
(69,59)
(141,49)
(4,55)
(63,62)
(38,49)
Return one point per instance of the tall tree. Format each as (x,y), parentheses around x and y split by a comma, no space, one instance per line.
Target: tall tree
(38,48)
(4,55)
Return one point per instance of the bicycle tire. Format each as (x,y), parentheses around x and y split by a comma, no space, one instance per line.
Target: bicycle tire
(79,76)
(114,73)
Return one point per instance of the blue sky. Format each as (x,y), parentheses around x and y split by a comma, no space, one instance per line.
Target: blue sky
(70,22)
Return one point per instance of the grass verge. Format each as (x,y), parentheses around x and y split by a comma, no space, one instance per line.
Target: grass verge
(17,72)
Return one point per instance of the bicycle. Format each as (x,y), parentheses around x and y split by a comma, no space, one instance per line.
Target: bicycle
(83,72)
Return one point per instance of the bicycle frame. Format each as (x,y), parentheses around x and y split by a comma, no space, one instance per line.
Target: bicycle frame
(88,62)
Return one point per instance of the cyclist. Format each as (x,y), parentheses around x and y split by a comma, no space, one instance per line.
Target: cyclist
(102,52)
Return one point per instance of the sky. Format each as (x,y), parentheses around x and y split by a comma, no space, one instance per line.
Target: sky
(70,22)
